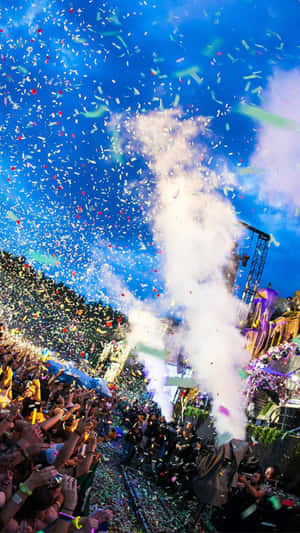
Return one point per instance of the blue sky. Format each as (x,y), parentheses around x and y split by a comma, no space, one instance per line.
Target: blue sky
(70,199)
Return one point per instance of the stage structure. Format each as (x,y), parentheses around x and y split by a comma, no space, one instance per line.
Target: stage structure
(244,282)
(258,261)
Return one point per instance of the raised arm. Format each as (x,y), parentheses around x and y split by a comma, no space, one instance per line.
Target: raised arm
(256,493)
(69,489)
(35,480)
(68,449)
(50,422)
(86,464)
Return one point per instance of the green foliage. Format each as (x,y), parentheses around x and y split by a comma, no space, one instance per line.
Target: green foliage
(265,434)
(196,412)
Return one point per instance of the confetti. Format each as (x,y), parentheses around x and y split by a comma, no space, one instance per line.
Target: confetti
(249,511)
(274,241)
(223,410)
(187,72)
(99,112)
(162,354)
(275,501)
(265,116)
(242,373)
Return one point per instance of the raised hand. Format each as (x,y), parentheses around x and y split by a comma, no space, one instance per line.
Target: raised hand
(75,407)
(69,490)
(39,478)
(92,442)
(83,426)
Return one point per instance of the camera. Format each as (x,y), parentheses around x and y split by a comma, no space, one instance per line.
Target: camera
(56,481)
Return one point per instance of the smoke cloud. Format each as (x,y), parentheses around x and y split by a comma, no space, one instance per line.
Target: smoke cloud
(148,329)
(144,327)
(277,150)
(196,229)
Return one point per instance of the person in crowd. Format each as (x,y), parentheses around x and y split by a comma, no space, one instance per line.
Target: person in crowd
(242,510)
(132,440)
(253,486)
(271,479)
(47,448)
(51,435)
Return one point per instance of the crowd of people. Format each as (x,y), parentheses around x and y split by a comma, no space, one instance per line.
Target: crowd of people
(189,467)
(49,445)
(51,435)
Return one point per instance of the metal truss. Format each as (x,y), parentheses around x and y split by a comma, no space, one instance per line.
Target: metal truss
(257,263)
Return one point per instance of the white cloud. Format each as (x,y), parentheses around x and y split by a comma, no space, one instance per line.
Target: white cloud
(28,16)
(278,150)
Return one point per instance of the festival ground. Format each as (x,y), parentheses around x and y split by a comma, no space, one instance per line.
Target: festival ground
(141,506)
(138,503)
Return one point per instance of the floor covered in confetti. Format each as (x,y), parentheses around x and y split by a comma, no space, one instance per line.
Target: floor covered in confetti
(138,504)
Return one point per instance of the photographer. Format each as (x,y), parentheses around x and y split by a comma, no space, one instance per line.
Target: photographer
(242,510)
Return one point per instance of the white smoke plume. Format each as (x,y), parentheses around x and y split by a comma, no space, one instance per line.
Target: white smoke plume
(196,229)
(277,150)
(144,327)
(148,330)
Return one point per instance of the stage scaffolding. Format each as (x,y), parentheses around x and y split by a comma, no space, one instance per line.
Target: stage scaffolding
(258,261)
